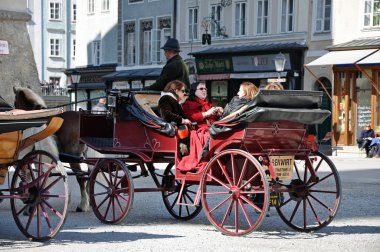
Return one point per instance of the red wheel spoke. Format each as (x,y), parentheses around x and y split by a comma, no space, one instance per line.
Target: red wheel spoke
(104,176)
(249,180)
(119,204)
(101,193)
(108,207)
(285,202)
(113,207)
(227,212)
(315,214)
(245,212)
(319,181)
(122,197)
(296,168)
(323,191)
(321,203)
(294,211)
(236,216)
(101,203)
(60,215)
(233,169)
(30,218)
(216,193)
(53,183)
(242,172)
(122,190)
(99,183)
(223,168)
(46,216)
(220,204)
(219,181)
(117,172)
(22,209)
(251,204)
(304,214)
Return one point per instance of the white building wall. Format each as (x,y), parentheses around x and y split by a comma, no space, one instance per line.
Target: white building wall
(97,26)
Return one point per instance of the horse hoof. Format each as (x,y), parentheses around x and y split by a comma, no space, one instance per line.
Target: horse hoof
(79,210)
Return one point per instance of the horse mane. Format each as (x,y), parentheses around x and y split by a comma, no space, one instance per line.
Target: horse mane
(27,99)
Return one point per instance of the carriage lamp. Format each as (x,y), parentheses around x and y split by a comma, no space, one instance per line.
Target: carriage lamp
(279,62)
(75,78)
(112,97)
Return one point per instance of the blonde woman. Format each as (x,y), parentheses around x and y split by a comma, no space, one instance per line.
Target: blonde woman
(247,92)
(274,86)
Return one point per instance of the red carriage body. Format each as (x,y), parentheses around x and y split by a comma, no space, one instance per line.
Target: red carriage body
(260,158)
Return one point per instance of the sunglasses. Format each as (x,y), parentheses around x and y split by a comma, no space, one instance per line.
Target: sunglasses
(183,90)
(202,88)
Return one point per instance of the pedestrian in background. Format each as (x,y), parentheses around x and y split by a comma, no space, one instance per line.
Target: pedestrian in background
(175,68)
(365,138)
(100,106)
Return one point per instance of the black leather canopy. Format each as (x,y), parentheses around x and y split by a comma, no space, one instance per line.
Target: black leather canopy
(278,105)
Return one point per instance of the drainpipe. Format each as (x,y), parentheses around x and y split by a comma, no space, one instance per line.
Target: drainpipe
(42,41)
(174,18)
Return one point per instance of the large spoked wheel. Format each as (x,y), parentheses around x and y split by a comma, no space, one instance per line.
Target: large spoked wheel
(170,197)
(111,191)
(39,196)
(235,192)
(311,205)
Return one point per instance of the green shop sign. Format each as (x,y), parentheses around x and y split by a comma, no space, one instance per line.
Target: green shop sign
(213,65)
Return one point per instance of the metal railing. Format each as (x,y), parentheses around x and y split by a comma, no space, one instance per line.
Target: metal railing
(50,90)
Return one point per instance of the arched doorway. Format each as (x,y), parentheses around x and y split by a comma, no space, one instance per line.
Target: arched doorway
(326,126)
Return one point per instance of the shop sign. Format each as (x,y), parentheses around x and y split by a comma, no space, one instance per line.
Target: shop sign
(4,48)
(213,65)
(255,63)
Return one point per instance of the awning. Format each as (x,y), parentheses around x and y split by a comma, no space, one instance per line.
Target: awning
(342,57)
(263,75)
(371,59)
(134,74)
(203,77)
(90,86)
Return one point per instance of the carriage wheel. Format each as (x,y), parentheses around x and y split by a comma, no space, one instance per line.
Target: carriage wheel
(235,192)
(111,191)
(310,206)
(180,212)
(39,196)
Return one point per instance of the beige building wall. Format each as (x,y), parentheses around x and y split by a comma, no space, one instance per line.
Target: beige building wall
(18,67)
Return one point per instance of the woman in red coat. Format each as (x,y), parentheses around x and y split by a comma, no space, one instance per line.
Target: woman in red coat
(198,108)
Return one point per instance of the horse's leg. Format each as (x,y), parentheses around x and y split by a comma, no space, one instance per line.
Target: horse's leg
(84,204)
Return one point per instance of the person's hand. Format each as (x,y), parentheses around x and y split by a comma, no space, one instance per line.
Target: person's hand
(209,112)
(219,111)
(186,121)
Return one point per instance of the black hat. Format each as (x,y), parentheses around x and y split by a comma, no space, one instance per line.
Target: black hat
(171,44)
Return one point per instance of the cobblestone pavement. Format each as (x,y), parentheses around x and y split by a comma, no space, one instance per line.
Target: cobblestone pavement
(149,227)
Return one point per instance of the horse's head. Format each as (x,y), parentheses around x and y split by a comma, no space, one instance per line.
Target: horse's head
(27,99)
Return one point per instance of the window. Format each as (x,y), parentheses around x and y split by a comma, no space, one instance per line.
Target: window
(287,15)
(240,16)
(323,16)
(216,11)
(262,17)
(55,47)
(90,6)
(193,24)
(131,48)
(73,48)
(147,46)
(74,13)
(105,5)
(55,11)
(96,52)
(371,13)
(156,44)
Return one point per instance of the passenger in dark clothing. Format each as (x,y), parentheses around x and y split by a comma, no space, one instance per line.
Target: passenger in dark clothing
(247,92)
(175,68)
(366,137)
(169,106)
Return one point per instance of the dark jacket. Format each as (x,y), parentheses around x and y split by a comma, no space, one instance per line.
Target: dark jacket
(175,69)
(367,133)
(234,105)
(171,110)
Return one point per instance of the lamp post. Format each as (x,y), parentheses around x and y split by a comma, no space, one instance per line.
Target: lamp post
(75,77)
(279,62)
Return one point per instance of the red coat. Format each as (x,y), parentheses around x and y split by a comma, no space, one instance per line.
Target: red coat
(194,109)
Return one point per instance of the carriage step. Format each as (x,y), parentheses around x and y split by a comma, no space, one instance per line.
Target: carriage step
(68,158)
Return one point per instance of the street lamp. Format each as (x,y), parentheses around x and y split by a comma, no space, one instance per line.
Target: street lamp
(279,62)
(75,77)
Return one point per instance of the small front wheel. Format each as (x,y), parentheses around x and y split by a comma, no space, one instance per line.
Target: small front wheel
(111,191)
(235,192)
(187,211)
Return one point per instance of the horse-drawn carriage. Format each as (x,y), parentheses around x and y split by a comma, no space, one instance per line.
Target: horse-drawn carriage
(264,156)
(38,190)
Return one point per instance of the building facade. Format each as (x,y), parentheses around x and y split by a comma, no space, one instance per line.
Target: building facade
(53,38)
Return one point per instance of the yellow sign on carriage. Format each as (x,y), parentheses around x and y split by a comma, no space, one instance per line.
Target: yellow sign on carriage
(283,165)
